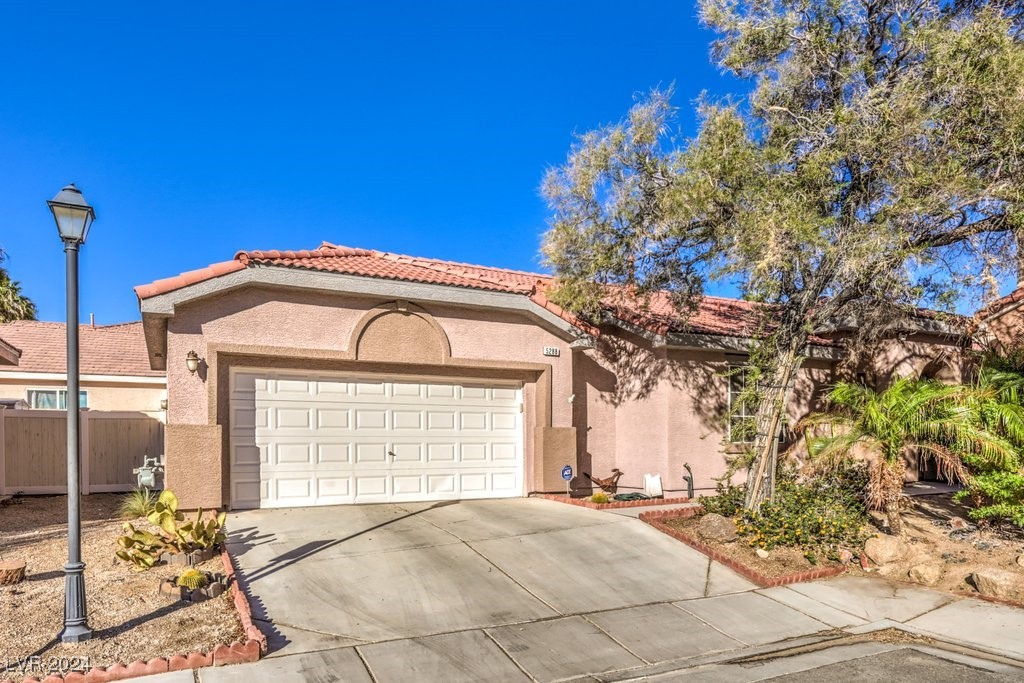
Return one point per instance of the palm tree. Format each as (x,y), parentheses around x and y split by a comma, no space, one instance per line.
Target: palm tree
(13,304)
(911,414)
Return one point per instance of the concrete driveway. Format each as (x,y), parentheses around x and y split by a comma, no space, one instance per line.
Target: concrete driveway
(533,590)
(370,573)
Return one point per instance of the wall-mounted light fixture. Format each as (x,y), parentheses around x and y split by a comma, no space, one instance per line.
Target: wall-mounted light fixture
(192,361)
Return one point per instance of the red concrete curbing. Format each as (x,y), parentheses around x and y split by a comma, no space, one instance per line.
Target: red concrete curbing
(615,504)
(653,518)
(248,650)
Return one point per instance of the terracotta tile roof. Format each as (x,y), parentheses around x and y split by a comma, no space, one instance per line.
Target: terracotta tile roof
(995,307)
(715,315)
(103,350)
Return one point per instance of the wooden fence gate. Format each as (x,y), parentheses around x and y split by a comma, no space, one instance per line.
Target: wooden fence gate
(33,450)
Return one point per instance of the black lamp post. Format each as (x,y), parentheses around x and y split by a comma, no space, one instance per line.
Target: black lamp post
(73,216)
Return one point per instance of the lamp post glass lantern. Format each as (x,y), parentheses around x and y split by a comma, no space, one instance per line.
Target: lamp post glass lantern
(73,217)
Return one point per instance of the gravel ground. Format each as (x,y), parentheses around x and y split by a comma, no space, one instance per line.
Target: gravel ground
(130,619)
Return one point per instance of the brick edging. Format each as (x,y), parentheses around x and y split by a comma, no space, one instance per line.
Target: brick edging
(583,502)
(990,598)
(249,649)
(654,518)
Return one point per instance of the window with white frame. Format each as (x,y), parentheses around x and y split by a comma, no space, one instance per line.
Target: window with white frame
(54,399)
(742,414)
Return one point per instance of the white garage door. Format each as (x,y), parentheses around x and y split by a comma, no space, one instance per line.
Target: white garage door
(321,440)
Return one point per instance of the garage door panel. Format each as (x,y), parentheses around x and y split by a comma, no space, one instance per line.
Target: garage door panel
(504,452)
(338,489)
(504,422)
(333,453)
(292,418)
(368,418)
(441,483)
(407,454)
(407,420)
(313,440)
(504,482)
(441,452)
(375,453)
(290,388)
(474,482)
(374,389)
(332,418)
(368,485)
(440,420)
(473,421)
(440,391)
(408,485)
(402,390)
(473,452)
(292,454)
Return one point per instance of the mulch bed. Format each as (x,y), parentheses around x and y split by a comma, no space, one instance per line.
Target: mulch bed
(784,566)
(131,620)
(587,503)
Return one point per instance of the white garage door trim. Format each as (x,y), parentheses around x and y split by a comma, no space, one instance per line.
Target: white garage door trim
(300,439)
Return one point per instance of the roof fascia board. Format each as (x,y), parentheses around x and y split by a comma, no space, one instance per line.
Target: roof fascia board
(716,342)
(916,325)
(164,304)
(8,354)
(60,376)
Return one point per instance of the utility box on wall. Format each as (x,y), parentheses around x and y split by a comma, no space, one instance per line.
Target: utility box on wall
(557,449)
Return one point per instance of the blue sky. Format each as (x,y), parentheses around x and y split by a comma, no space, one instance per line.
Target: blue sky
(198,129)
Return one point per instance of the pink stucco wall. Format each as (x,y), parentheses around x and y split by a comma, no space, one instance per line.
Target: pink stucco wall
(281,318)
(635,407)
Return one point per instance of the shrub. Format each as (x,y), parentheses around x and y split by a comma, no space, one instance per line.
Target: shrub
(600,497)
(138,503)
(996,495)
(820,515)
(727,501)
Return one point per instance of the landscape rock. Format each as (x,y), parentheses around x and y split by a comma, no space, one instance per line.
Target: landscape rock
(958,523)
(845,556)
(1020,560)
(715,527)
(762,553)
(997,583)
(928,574)
(885,549)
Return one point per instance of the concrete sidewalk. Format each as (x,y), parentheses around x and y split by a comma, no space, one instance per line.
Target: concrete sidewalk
(750,636)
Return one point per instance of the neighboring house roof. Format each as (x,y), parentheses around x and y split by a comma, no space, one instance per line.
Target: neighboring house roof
(103,350)
(1001,305)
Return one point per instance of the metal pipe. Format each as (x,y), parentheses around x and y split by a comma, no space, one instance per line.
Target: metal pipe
(76,626)
(688,478)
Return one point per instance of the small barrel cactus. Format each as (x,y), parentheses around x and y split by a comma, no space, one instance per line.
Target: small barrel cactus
(192,579)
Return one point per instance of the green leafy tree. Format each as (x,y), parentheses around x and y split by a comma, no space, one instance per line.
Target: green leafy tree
(911,415)
(13,304)
(875,166)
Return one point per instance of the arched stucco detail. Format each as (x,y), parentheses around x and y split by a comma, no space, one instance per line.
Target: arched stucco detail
(941,370)
(402,332)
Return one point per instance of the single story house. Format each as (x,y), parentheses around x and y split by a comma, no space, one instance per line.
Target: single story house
(343,375)
(115,369)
